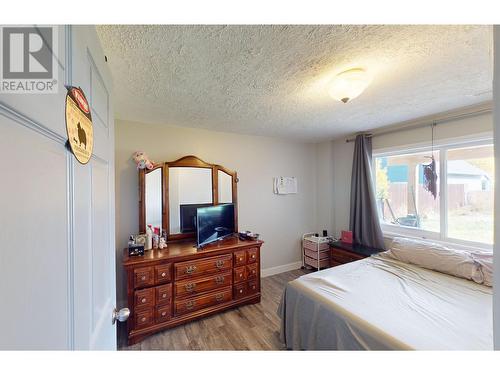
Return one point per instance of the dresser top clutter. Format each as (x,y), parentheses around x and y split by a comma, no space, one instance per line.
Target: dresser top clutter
(181,282)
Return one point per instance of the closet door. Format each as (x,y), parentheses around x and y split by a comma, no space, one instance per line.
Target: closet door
(57,264)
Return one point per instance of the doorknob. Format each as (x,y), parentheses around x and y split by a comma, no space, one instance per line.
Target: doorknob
(121,315)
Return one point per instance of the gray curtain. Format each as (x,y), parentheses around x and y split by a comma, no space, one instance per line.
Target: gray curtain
(364,221)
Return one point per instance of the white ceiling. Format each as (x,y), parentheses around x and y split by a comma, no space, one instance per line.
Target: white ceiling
(271,80)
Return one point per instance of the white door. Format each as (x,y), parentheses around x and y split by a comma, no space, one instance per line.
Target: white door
(57,264)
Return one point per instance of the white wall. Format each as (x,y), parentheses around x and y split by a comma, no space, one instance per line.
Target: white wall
(457,129)
(334,160)
(280,220)
(338,154)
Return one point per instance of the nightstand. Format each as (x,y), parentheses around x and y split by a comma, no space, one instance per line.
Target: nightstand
(342,253)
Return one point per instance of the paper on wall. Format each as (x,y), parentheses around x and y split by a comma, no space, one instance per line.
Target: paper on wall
(285,185)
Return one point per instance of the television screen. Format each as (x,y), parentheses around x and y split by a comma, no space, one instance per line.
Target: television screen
(214,223)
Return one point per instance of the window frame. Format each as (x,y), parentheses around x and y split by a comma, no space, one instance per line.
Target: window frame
(392,230)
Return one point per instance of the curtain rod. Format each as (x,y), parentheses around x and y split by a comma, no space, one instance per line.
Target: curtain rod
(423,124)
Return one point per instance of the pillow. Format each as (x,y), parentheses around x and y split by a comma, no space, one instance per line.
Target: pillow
(436,257)
(485,259)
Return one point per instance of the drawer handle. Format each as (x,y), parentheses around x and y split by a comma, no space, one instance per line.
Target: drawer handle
(219,297)
(190,305)
(190,269)
(143,300)
(163,313)
(253,256)
(189,287)
(241,291)
(143,278)
(219,279)
(241,275)
(163,274)
(143,319)
(240,259)
(219,264)
(164,295)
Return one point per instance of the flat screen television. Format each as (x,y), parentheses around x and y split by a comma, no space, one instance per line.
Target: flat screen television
(214,223)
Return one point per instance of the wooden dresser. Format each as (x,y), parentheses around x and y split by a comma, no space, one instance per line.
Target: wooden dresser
(178,284)
(342,253)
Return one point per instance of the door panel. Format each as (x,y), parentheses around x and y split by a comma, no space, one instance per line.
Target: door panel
(92,75)
(82,253)
(34,238)
(103,292)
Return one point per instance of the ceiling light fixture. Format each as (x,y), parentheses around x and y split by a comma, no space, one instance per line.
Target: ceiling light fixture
(349,84)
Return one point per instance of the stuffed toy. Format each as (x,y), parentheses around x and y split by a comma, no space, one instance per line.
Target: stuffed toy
(142,160)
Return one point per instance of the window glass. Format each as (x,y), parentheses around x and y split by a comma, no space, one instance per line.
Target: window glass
(470,193)
(401,195)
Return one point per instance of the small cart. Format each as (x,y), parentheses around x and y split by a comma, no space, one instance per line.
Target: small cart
(315,251)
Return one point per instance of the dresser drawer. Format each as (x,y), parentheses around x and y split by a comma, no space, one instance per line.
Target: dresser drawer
(252,287)
(340,256)
(143,277)
(162,314)
(240,290)
(240,258)
(240,274)
(203,267)
(143,318)
(144,298)
(252,271)
(252,255)
(202,284)
(163,273)
(188,305)
(163,294)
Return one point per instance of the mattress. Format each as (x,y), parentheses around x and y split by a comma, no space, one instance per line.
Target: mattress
(383,304)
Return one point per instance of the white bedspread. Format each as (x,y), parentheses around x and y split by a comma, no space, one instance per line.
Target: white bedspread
(381,304)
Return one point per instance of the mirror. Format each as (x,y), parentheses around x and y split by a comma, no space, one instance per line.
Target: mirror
(188,189)
(225,191)
(170,193)
(153,197)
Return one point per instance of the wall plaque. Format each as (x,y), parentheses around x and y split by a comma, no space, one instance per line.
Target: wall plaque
(79,124)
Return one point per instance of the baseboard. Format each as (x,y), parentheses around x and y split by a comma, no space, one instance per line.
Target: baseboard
(280,269)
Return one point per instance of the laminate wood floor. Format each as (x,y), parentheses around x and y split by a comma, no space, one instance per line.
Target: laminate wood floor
(251,327)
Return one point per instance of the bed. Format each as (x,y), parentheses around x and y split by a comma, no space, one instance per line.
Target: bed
(380,303)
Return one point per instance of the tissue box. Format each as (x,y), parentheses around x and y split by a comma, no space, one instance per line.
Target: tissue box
(346,236)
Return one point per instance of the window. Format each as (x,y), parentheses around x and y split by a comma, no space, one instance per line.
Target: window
(401,195)
(470,183)
(463,208)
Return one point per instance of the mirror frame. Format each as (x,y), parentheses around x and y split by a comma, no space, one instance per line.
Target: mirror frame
(186,161)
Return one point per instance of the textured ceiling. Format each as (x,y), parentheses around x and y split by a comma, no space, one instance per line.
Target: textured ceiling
(271,80)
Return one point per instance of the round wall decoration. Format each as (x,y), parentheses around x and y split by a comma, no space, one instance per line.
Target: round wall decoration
(79,124)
